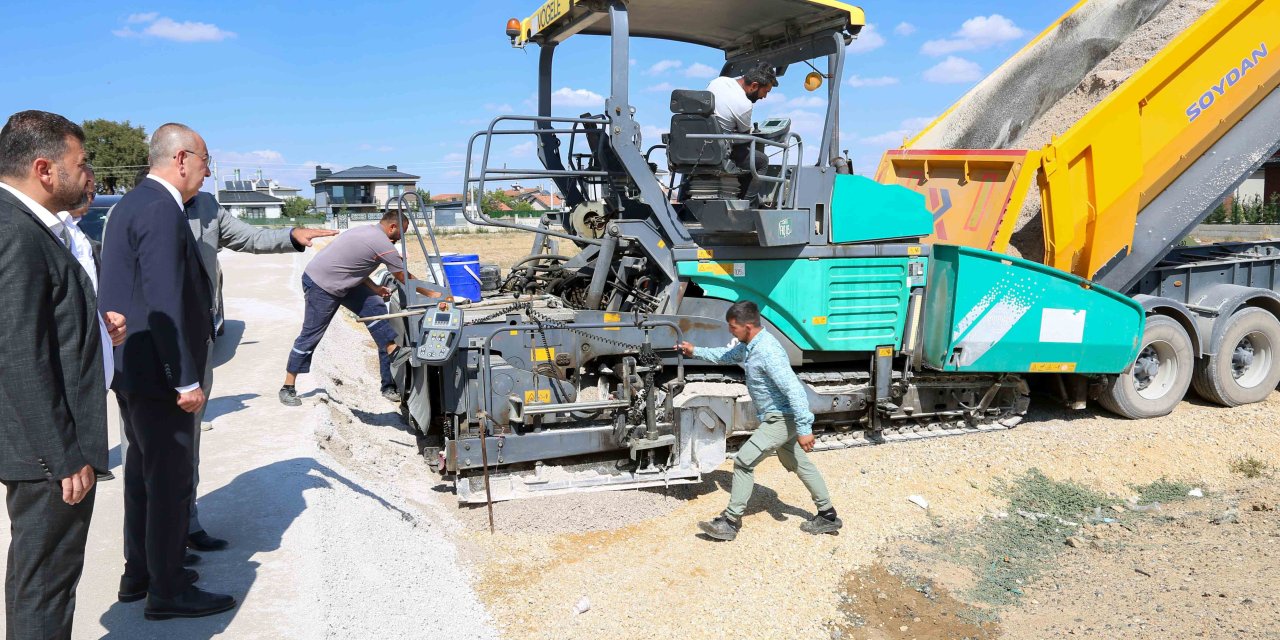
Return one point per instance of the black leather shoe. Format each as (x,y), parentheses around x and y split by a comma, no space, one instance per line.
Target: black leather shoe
(201,541)
(192,603)
(135,589)
(190,559)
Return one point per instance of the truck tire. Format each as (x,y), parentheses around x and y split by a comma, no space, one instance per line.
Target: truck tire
(1245,367)
(1158,379)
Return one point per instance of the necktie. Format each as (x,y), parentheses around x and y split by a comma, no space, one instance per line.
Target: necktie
(66,236)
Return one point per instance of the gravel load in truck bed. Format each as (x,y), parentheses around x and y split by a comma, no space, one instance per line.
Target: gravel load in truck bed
(1142,45)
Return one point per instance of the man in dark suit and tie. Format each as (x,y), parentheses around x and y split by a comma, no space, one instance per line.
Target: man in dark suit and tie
(151,272)
(53,404)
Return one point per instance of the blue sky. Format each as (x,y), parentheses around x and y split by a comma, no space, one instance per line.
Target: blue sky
(286,86)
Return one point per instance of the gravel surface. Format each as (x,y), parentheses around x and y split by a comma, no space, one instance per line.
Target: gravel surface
(636,554)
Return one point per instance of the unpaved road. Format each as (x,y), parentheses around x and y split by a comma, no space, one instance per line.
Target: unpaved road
(315,553)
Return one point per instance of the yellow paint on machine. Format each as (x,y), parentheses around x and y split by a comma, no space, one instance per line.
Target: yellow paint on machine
(1052,367)
(717,268)
(612,317)
(541,354)
(705,254)
(1100,174)
(817,320)
(884,352)
(539,396)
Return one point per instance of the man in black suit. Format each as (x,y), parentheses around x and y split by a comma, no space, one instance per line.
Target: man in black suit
(151,273)
(53,403)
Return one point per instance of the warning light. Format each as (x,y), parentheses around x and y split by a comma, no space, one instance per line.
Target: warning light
(513,28)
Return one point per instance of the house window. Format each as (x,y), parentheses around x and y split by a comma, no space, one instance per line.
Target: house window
(337,193)
(395,190)
(255,212)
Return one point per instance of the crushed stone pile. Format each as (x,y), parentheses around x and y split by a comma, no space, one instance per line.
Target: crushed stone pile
(1143,44)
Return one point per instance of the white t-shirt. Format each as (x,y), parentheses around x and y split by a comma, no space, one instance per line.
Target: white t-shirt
(733,108)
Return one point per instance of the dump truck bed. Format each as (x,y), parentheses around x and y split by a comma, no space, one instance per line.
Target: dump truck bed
(1126,183)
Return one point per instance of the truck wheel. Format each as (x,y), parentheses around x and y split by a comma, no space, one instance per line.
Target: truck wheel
(1158,379)
(1245,367)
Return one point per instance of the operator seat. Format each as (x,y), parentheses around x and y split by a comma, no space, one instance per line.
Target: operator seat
(708,172)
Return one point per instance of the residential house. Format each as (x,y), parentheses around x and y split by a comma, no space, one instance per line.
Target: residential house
(360,194)
(537,197)
(242,200)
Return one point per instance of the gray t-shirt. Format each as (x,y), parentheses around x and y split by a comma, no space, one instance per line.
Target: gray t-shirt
(351,257)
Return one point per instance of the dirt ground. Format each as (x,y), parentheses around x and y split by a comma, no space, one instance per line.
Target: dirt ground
(636,560)
(501,248)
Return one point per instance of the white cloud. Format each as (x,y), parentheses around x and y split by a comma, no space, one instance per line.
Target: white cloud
(567,97)
(916,124)
(662,87)
(904,29)
(521,150)
(699,70)
(882,81)
(805,102)
(663,66)
(981,32)
(887,139)
(169,29)
(868,40)
(954,70)
(234,159)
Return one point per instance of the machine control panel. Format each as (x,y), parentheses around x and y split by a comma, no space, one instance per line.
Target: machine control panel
(774,129)
(441,327)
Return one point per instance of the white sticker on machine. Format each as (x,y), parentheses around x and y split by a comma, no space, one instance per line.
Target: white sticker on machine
(739,269)
(1062,325)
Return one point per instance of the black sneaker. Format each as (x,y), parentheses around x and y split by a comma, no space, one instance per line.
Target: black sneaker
(290,397)
(722,527)
(821,524)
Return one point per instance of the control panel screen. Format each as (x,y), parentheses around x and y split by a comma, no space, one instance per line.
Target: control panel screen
(442,319)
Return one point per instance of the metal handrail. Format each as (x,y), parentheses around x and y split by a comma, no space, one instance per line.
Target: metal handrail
(404,247)
(474,213)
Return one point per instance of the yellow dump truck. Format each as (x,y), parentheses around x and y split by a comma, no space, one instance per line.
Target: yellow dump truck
(1121,188)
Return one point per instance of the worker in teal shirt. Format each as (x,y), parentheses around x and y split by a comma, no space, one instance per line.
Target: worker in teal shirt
(786,424)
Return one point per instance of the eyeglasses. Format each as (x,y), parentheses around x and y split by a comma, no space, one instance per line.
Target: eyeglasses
(208,159)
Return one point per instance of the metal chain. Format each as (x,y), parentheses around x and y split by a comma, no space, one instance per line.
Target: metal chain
(541,319)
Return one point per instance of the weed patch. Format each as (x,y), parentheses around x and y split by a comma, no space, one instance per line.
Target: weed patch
(1250,467)
(1009,553)
(1162,490)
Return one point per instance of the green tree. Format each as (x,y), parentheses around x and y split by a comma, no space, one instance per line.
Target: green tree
(295,206)
(493,199)
(117,150)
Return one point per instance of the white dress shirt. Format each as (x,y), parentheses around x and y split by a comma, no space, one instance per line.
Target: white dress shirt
(177,197)
(65,228)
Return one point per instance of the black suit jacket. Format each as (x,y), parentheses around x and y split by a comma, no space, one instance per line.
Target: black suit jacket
(53,399)
(151,273)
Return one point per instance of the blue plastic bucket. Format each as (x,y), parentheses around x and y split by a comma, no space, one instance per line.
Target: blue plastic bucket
(463,273)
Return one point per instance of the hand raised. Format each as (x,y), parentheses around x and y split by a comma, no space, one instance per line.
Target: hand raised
(305,236)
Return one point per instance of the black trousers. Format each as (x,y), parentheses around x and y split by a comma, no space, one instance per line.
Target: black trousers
(46,557)
(741,155)
(157,490)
